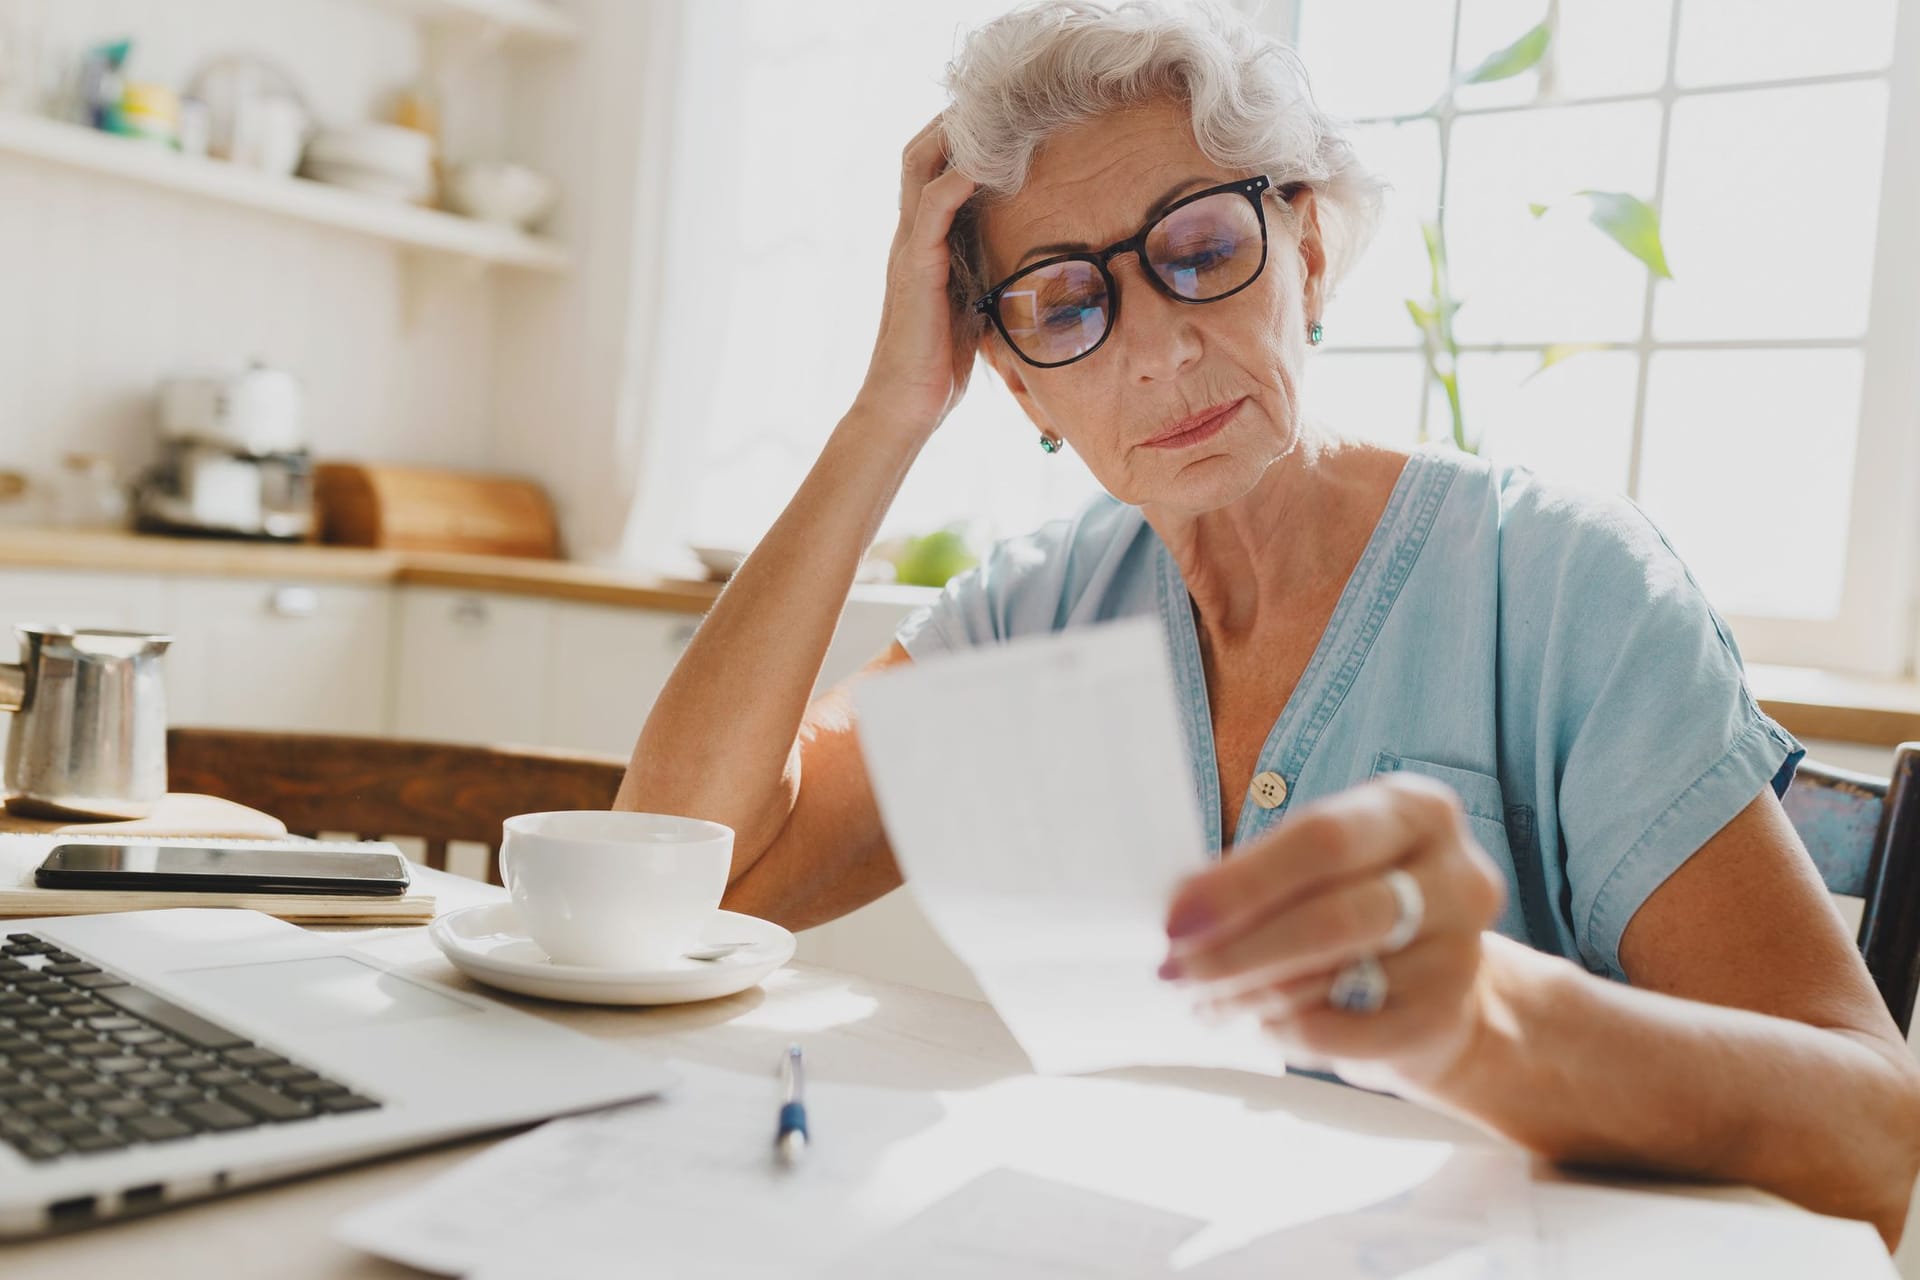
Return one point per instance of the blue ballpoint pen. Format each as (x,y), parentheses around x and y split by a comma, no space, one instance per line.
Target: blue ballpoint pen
(791,1140)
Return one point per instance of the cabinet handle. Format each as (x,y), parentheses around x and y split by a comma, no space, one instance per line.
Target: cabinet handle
(293,602)
(470,611)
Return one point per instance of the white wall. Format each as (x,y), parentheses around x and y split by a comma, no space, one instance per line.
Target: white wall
(107,286)
(574,357)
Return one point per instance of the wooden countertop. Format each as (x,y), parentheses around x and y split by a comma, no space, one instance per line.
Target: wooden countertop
(1810,703)
(1838,707)
(114,551)
(117,552)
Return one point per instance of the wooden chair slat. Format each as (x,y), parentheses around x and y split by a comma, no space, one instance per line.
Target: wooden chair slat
(440,792)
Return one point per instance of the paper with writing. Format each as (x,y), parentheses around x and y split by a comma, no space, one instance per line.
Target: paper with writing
(1028,1176)
(1039,799)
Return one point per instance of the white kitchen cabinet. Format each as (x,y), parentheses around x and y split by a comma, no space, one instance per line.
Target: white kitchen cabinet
(74,598)
(265,654)
(472,667)
(606,665)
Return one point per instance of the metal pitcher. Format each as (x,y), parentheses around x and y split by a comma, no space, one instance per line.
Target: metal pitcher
(89,733)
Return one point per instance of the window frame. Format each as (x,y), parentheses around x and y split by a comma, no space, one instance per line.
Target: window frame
(1876,629)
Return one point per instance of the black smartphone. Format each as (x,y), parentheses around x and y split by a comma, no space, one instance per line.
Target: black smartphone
(165,868)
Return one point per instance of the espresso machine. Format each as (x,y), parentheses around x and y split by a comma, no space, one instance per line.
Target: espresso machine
(234,459)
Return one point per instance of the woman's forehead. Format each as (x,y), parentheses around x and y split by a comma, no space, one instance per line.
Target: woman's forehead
(1095,183)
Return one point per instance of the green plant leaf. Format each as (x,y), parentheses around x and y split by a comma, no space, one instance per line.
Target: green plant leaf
(1424,317)
(1537,210)
(1559,351)
(1522,55)
(1633,224)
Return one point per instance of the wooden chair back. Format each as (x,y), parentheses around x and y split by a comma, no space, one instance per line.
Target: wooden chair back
(381,788)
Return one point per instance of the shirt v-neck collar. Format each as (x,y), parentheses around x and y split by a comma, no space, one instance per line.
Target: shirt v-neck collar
(1364,603)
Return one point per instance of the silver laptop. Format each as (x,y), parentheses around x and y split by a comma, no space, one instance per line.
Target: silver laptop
(152,1057)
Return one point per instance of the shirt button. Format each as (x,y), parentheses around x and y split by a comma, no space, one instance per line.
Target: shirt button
(1269,790)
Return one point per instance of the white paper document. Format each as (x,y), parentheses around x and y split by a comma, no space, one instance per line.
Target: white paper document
(1039,799)
(1027,1177)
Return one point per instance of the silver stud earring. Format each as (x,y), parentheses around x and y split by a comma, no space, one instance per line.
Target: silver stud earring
(1315,333)
(1049,445)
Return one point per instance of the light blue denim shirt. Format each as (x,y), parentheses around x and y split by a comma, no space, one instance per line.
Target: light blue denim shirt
(1541,650)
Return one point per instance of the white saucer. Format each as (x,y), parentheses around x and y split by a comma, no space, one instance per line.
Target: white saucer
(489,944)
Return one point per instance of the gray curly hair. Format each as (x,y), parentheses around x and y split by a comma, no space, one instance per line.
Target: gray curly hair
(1050,65)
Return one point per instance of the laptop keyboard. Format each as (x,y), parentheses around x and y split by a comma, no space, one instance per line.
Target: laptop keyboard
(92,1062)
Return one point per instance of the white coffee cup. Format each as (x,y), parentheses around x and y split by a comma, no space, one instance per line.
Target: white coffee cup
(614,889)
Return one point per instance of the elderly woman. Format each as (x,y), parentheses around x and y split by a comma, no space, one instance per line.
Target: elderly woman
(1502,815)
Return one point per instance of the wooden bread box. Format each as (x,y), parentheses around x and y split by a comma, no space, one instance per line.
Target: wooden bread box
(423,509)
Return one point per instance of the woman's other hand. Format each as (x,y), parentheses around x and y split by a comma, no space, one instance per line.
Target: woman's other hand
(1268,928)
(924,353)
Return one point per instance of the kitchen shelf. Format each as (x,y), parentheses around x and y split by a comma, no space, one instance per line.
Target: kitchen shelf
(530,20)
(150,164)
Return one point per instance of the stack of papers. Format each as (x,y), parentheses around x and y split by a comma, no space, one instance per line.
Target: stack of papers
(1040,802)
(1027,1177)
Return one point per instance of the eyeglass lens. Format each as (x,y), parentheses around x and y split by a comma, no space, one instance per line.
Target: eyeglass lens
(1199,251)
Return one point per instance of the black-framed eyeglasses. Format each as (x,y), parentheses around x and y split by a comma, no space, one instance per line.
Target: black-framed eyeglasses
(1202,248)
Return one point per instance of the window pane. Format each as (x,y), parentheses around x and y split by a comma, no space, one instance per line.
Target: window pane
(1612,46)
(1487,26)
(1748,466)
(1603,47)
(1572,423)
(1370,305)
(1731,41)
(1376,57)
(1557,278)
(1764,240)
(1373,397)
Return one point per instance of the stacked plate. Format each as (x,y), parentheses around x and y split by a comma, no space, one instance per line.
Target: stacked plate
(376,159)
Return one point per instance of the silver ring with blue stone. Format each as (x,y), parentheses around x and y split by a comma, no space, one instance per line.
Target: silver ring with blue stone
(1359,986)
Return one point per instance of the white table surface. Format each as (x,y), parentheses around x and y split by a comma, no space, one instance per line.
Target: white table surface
(864,1031)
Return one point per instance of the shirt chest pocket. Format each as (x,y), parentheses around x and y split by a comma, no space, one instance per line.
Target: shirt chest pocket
(1481,799)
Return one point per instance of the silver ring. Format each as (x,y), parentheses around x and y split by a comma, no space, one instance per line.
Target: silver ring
(1360,986)
(1410,912)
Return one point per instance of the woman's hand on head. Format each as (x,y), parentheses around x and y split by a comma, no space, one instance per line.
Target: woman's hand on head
(1266,930)
(924,353)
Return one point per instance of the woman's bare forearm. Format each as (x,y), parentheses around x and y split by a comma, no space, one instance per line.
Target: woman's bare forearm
(723,739)
(720,742)
(1587,1071)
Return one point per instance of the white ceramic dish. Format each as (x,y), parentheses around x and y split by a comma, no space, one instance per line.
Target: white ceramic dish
(511,195)
(721,562)
(413,190)
(489,944)
(388,148)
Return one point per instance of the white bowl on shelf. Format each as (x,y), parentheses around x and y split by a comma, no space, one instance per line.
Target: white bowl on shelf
(496,191)
(375,159)
(390,148)
(720,563)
